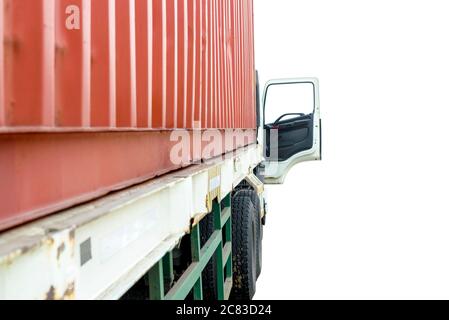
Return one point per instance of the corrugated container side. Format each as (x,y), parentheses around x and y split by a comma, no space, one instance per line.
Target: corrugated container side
(90,91)
(194,58)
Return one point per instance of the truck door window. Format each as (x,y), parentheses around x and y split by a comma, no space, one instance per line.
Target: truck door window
(288,101)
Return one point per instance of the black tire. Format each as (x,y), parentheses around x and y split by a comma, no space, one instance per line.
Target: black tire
(210,272)
(244,232)
(252,195)
(259,236)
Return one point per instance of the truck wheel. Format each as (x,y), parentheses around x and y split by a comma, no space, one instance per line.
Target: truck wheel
(256,202)
(244,247)
(210,272)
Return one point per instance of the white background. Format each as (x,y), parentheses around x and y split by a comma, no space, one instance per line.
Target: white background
(372,219)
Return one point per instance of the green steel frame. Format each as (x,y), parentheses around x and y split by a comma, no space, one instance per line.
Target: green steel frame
(219,244)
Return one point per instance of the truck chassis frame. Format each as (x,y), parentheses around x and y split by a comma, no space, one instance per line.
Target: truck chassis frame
(219,244)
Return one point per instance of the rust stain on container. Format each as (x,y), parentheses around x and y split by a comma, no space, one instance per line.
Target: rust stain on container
(136,68)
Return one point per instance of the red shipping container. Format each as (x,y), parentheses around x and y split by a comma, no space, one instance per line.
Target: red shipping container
(91,90)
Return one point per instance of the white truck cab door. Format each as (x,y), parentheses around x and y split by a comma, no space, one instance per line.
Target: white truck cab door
(292,126)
